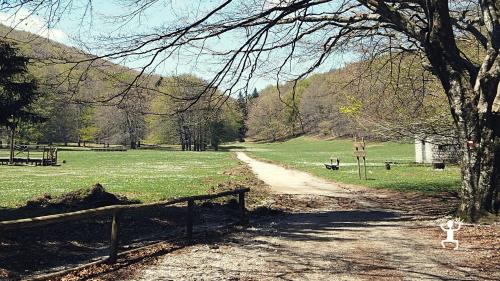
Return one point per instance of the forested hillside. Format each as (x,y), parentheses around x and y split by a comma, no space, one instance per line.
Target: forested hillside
(98,101)
(389,98)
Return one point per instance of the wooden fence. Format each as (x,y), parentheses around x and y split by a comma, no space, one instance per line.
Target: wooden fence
(116,210)
(31,155)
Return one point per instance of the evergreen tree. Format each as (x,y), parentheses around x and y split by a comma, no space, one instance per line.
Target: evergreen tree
(18,91)
(255,94)
(243,107)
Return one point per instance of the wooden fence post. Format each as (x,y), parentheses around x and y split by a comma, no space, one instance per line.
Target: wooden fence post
(189,219)
(113,245)
(241,201)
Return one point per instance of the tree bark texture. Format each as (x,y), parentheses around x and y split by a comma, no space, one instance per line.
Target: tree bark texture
(471,93)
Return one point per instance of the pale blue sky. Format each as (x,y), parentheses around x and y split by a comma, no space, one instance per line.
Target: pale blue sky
(166,13)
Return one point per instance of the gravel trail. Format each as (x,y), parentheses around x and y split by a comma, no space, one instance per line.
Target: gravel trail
(328,240)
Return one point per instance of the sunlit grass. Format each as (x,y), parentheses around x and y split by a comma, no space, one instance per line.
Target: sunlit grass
(147,175)
(308,154)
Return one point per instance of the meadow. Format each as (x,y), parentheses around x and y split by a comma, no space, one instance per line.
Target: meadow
(152,175)
(309,154)
(146,175)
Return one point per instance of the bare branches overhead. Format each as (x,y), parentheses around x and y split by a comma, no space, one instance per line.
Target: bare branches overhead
(267,36)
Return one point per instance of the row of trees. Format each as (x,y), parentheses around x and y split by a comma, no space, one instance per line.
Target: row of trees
(36,108)
(214,118)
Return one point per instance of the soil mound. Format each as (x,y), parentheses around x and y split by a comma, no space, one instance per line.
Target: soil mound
(81,199)
(88,198)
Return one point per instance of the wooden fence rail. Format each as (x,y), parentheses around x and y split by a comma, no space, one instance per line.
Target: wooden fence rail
(117,210)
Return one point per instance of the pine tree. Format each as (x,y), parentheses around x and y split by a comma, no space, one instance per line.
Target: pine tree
(255,94)
(243,107)
(18,91)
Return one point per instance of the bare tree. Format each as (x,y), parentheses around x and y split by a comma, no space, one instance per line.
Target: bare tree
(273,35)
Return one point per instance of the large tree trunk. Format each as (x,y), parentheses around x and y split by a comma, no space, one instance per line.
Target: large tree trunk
(488,183)
(495,189)
(479,140)
(477,165)
(471,92)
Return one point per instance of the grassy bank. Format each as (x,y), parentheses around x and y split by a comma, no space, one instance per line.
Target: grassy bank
(309,154)
(147,175)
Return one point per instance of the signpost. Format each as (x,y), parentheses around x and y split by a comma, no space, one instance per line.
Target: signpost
(360,152)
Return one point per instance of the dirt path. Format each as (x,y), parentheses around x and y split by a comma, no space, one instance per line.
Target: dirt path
(331,233)
(286,181)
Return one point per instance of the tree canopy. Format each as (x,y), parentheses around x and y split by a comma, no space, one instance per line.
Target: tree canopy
(18,89)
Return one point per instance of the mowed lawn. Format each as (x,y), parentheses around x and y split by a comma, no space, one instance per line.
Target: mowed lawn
(147,175)
(309,154)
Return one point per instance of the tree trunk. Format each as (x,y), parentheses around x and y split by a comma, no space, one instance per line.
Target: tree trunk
(495,189)
(12,135)
(479,140)
(479,143)
(488,185)
(470,91)
(131,131)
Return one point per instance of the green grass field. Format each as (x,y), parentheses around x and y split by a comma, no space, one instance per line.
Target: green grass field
(147,175)
(152,175)
(308,154)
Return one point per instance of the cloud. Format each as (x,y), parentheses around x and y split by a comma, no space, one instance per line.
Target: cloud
(23,20)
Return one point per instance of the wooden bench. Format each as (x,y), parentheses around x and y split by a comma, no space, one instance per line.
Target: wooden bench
(334,164)
(388,165)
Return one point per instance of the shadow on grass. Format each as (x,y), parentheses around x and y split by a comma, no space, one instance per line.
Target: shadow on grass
(231,147)
(427,186)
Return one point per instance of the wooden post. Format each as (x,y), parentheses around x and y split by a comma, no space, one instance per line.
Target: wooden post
(241,201)
(359,168)
(189,219)
(12,135)
(113,245)
(360,152)
(364,164)
(364,157)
